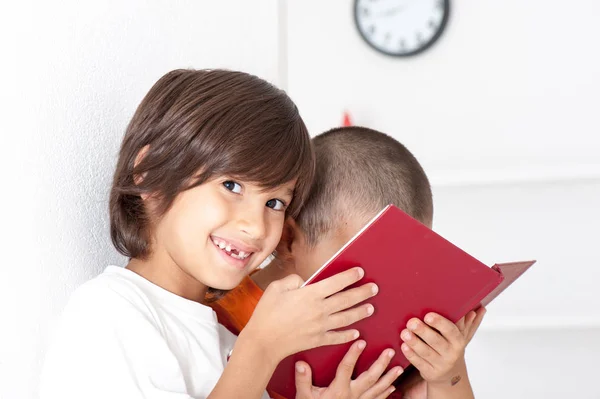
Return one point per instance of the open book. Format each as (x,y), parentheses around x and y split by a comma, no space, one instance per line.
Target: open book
(417,272)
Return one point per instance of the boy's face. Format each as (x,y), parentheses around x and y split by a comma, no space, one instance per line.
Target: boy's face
(219,231)
(307,260)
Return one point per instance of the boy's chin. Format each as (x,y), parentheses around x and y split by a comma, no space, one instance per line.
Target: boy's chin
(219,290)
(226,284)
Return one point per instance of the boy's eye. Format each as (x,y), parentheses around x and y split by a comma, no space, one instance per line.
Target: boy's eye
(232,186)
(275,204)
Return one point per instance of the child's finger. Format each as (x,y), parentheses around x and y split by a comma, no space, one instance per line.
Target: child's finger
(419,347)
(337,337)
(465,323)
(370,377)
(430,336)
(303,381)
(346,299)
(347,317)
(462,324)
(479,313)
(472,316)
(421,364)
(386,393)
(338,282)
(346,366)
(448,329)
(384,386)
(469,317)
(287,283)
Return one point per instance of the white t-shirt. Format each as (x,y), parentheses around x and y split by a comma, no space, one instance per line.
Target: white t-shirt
(122,336)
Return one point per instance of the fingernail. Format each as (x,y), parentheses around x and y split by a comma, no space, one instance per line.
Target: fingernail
(405,335)
(370,309)
(300,368)
(399,371)
(391,353)
(413,325)
(361,272)
(429,319)
(375,289)
(392,389)
(356,334)
(362,345)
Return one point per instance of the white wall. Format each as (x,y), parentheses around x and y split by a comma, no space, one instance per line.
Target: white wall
(540,338)
(75,72)
(500,111)
(532,364)
(510,90)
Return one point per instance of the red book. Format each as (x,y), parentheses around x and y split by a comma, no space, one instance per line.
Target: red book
(417,272)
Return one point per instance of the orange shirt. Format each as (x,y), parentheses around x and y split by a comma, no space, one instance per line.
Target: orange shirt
(235,308)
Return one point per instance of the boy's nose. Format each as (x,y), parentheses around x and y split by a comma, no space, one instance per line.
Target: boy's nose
(252,224)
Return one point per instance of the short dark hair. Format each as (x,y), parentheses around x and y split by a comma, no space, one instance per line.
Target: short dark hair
(197,124)
(359,172)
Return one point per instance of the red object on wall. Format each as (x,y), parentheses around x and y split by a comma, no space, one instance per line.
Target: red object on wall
(347,121)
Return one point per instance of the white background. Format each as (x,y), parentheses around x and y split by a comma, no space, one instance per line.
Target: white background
(501,112)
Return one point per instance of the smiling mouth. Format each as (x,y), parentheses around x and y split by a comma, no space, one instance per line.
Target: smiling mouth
(230,249)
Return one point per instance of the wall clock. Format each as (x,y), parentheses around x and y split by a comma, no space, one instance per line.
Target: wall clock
(401,28)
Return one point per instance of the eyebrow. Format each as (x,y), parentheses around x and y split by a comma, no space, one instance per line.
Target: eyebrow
(289,192)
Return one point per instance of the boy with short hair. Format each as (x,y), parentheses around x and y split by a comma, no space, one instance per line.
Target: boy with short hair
(359,171)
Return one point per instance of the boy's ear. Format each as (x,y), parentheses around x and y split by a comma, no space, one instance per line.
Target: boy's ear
(283,251)
(297,239)
(288,235)
(139,178)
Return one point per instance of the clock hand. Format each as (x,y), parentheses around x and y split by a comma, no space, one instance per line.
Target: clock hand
(391,11)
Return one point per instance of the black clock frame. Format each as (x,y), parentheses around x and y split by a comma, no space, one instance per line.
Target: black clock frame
(430,43)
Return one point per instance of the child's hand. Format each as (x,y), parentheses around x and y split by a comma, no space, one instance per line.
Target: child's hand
(368,385)
(436,346)
(469,324)
(290,319)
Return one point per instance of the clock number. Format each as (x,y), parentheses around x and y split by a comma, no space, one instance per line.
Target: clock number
(419,37)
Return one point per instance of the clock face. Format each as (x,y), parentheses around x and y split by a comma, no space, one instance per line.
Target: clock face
(401,27)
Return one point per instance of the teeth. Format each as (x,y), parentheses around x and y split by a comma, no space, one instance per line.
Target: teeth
(227,247)
(239,256)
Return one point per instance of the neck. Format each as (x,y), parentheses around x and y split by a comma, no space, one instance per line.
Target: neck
(165,273)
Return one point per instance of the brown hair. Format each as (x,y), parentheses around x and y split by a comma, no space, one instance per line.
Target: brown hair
(359,172)
(197,124)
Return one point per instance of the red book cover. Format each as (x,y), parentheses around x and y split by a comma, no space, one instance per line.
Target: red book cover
(417,272)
